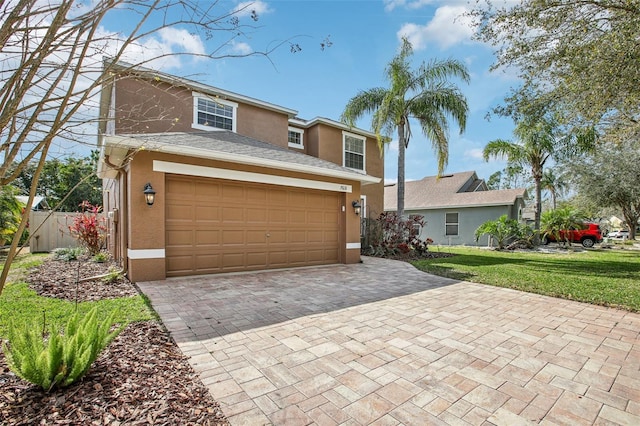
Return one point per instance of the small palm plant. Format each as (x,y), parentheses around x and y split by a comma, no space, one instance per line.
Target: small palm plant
(61,359)
(501,230)
(554,221)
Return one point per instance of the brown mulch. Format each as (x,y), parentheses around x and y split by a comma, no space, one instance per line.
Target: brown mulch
(142,378)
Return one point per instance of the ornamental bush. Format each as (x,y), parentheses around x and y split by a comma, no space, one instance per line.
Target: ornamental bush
(60,359)
(89,229)
(398,236)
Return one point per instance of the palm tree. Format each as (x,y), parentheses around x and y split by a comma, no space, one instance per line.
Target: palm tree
(538,140)
(425,95)
(555,184)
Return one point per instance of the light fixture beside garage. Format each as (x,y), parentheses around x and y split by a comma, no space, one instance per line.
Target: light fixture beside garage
(356,207)
(149,194)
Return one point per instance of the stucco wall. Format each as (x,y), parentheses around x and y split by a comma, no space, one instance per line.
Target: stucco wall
(469,219)
(146,224)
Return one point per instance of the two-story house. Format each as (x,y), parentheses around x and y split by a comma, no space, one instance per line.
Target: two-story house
(200,180)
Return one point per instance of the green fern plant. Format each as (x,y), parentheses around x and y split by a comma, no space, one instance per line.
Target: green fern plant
(63,358)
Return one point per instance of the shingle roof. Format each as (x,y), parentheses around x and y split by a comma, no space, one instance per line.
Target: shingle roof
(229,146)
(432,193)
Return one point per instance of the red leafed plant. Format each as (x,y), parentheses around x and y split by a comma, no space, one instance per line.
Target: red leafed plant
(88,228)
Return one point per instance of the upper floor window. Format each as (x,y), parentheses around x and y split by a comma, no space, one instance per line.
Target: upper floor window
(451,224)
(211,114)
(296,138)
(354,151)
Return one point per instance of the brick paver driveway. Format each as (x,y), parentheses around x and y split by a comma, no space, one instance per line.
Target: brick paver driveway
(382,343)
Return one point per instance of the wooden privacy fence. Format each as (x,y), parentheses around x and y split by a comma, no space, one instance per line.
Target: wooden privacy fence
(49,231)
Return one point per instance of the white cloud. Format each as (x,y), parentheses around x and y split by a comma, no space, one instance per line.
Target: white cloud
(449,26)
(165,50)
(241,48)
(475,154)
(247,8)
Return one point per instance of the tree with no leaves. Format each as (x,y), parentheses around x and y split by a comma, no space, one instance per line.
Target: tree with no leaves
(425,95)
(53,64)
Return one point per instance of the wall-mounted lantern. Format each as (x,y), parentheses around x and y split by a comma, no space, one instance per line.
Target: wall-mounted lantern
(356,207)
(149,194)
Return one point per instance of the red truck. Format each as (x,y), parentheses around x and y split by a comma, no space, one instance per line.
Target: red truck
(587,235)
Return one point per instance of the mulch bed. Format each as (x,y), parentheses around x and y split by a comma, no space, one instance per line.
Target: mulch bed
(142,378)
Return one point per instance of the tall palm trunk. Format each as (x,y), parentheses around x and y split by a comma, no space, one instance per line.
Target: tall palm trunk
(402,147)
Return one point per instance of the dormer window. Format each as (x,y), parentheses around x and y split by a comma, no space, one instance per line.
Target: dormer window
(210,113)
(296,138)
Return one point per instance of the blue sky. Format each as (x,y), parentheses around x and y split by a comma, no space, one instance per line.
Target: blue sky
(365,35)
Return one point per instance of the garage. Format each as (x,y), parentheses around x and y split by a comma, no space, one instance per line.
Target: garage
(220,225)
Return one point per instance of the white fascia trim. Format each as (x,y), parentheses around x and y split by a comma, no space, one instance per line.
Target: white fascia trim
(121,141)
(339,125)
(145,254)
(212,172)
(351,246)
(454,206)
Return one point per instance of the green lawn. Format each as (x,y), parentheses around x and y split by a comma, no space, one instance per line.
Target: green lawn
(603,277)
(20,304)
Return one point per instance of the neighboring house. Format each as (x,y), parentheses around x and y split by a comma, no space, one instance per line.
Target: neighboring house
(240,184)
(39,202)
(455,205)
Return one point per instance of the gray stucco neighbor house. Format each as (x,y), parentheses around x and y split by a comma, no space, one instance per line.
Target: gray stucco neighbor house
(455,205)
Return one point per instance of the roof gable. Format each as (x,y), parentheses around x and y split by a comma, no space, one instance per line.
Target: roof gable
(454,190)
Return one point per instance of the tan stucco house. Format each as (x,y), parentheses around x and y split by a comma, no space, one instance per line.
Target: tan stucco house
(455,205)
(239,184)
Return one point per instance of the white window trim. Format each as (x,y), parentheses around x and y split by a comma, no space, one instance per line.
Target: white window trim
(301,133)
(364,150)
(194,123)
(451,223)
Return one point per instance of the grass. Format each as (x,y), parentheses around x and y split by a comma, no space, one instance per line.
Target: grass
(20,304)
(602,277)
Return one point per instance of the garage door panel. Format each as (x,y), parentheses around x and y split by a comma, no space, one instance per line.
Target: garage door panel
(315,217)
(232,215)
(207,261)
(207,190)
(215,225)
(180,189)
(297,217)
(278,237)
(233,192)
(298,236)
(278,215)
(180,237)
(207,237)
(205,213)
(256,237)
(179,212)
(233,237)
(256,216)
(330,237)
(256,260)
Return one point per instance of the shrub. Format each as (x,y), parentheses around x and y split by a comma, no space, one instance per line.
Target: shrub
(112,276)
(63,358)
(67,254)
(100,257)
(10,210)
(501,229)
(398,236)
(88,228)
